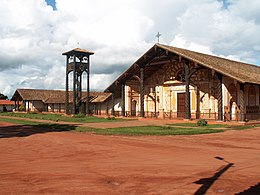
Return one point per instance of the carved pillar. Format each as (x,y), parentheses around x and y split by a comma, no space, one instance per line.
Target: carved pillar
(87,102)
(187,91)
(155,110)
(142,91)
(242,102)
(219,97)
(197,103)
(18,106)
(123,99)
(113,104)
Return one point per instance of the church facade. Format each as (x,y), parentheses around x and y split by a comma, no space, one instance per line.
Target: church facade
(170,82)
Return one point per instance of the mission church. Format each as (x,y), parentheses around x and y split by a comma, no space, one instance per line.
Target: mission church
(165,82)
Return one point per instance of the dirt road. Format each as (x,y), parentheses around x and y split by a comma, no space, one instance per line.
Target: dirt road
(79,163)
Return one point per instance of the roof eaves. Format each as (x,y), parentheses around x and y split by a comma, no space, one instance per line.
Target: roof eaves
(201,63)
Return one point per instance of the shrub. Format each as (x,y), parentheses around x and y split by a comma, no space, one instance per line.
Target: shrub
(202,122)
(21,108)
(80,115)
(34,112)
(111,118)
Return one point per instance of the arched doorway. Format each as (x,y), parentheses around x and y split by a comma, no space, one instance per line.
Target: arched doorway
(233,102)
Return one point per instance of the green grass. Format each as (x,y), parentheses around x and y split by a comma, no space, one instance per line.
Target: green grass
(20,122)
(212,126)
(243,127)
(148,130)
(59,117)
(127,131)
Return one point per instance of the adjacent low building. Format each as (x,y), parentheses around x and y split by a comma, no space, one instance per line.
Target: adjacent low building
(38,100)
(6,105)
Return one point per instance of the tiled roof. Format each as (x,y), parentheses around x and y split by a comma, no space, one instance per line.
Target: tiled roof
(6,102)
(55,96)
(243,72)
(78,50)
(240,71)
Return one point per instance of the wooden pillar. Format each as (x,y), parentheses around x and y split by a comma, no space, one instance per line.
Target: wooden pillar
(113,104)
(197,103)
(67,88)
(187,91)
(123,99)
(142,91)
(15,108)
(74,86)
(87,102)
(107,109)
(219,97)
(28,106)
(242,102)
(18,109)
(155,99)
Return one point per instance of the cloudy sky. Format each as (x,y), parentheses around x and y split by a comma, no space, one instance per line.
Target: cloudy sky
(34,33)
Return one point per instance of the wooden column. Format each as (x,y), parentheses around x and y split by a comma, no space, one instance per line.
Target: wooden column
(15,108)
(198,103)
(219,97)
(242,102)
(142,91)
(67,88)
(18,102)
(87,102)
(107,109)
(187,91)
(28,106)
(155,99)
(113,104)
(74,86)
(123,99)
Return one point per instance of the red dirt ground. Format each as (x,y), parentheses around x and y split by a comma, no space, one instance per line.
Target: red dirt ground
(79,163)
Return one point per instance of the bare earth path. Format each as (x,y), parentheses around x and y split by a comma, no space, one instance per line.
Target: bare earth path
(78,163)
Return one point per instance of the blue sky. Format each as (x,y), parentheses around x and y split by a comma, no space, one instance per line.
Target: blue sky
(51,3)
(33,36)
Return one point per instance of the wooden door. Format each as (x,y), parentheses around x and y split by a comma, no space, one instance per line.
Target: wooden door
(133,109)
(180,105)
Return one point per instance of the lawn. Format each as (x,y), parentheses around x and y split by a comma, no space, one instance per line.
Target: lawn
(172,129)
(149,130)
(59,117)
(212,126)
(130,131)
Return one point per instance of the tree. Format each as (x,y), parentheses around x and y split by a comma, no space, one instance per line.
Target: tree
(3,97)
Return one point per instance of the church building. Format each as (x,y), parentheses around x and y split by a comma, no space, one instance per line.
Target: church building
(170,82)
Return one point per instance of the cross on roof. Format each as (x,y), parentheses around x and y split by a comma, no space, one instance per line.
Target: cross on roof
(158,36)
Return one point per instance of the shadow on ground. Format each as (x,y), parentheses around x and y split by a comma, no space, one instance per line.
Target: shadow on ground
(250,191)
(27,130)
(208,182)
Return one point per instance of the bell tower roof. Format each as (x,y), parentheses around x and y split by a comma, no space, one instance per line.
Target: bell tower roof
(78,51)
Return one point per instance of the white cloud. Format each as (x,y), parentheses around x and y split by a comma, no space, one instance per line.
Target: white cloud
(33,36)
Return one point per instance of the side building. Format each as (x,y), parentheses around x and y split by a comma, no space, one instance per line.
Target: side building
(37,100)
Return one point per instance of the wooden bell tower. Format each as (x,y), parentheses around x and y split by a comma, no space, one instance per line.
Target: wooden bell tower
(77,61)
